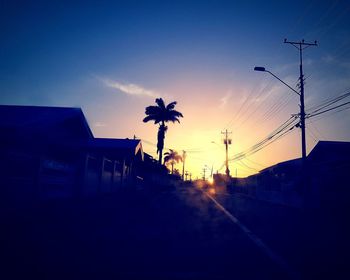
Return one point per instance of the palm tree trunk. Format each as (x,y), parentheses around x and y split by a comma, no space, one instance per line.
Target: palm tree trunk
(172,168)
(160,143)
(160,156)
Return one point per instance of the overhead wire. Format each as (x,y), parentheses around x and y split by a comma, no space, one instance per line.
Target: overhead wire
(254,110)
(328,102)
(243,104)
(327,110)
(244,164)
(279,132)
(285,129)
(254,162)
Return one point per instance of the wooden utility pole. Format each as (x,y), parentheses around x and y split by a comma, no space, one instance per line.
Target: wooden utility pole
(183,163)
(186,174)
(301,45)
(204,169)
(227,142)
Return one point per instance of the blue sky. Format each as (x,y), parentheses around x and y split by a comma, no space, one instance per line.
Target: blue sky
(113,58)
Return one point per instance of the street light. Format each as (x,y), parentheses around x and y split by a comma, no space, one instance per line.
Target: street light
(302,110)
(262,69)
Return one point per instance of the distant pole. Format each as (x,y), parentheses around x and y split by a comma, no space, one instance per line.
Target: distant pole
(183,163)
(204,173)
(227,142)
(190,177)
(186,174)
(301,45)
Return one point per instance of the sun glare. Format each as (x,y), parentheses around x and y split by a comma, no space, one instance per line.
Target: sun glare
(212,191)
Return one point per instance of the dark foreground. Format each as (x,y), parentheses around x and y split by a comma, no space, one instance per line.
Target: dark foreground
(173,234)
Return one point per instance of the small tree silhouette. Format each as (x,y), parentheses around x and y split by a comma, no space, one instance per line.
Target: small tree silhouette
(172,157)
(177,172)
(162,114)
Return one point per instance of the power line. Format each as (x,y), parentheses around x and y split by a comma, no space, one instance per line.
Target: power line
(325,111)
(253,111)
(263,146)
(328,102)
(286,129)
(331,114)
(244,164)
(279,132)
(254,162)
(242,105)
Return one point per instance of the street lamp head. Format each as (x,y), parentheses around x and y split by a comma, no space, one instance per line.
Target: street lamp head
(261,69)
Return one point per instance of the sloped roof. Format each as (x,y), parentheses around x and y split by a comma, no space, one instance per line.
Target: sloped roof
(330,150)
(37,118)
(324,151)
(129,147)
(293,163)
(21,121)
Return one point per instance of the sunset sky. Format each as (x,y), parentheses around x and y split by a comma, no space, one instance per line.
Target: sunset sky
(113,59)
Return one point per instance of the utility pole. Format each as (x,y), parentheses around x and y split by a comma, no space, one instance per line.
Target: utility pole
(301,45)
(186,174)
(227,142)
(190,177)
(204,173)
(183,163)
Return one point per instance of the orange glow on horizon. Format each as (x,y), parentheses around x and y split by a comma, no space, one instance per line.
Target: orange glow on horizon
(212,191)
(199,133)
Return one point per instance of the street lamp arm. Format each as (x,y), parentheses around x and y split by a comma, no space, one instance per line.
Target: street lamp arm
(283,82)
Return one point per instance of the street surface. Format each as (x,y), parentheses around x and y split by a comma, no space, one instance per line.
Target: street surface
(174,234)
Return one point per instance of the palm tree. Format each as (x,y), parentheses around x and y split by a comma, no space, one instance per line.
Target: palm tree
(162,114)
(177,172)
(172,157)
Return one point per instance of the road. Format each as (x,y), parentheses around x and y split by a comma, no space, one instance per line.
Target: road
(174,234)
(313,244)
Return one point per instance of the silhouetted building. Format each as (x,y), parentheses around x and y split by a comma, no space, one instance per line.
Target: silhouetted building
(221,179)
(325,183)
(51,152)
(328,166)
(220,182)
(281,183)
(153,174)
(110,163)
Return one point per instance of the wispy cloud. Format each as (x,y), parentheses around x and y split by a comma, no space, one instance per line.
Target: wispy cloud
(336,61)
(225,99)
(328,58)
(291,66)
(99,124)
(128,88)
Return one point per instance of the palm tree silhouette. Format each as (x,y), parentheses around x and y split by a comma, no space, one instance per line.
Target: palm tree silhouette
(172,157)
(162,114)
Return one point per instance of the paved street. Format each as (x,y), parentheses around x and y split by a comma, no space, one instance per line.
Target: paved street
(315,244)
(174,234)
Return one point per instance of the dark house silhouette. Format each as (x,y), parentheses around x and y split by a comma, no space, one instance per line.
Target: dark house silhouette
(328,167)
(111,163)
(51,152)
(153,174)
(326,178)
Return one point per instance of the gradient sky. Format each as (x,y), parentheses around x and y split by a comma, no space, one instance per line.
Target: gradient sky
(113,59)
